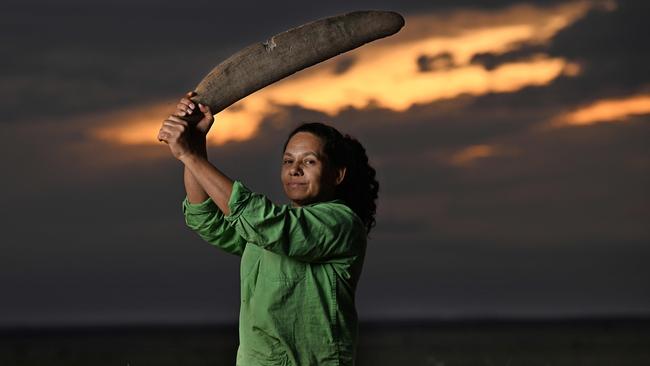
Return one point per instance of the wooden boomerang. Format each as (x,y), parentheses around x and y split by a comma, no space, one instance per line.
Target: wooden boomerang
(261,64)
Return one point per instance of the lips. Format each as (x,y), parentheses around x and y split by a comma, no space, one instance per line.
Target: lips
(295,184)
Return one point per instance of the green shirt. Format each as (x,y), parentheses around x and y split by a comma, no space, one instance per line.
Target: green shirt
(299,271)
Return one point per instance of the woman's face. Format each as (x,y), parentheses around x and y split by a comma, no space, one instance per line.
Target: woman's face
(307,176)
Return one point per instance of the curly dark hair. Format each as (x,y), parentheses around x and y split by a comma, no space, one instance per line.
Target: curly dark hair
(359,187)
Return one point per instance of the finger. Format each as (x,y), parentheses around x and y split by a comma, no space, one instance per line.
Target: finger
(186,100)
(177,119)
(205,110)
(171,126)
(178,126)
(186,103)
(175,127)
(168,133)
(182,110)
(164,132)
(162,136)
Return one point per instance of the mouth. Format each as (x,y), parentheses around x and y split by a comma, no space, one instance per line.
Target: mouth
(295,185)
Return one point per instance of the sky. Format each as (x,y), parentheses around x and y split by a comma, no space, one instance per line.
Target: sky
(510,140)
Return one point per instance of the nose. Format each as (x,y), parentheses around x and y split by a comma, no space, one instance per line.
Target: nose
(295,170)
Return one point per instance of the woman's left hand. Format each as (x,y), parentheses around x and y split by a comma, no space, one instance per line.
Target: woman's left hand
(182,139)
(186,129)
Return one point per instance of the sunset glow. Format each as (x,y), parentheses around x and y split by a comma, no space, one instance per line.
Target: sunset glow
(608,110)
(387,73)
(469,155)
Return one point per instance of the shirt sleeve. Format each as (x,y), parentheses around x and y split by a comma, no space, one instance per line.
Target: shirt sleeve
(207,220)
(321,232)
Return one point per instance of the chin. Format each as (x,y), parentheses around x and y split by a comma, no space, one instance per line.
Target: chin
(300,200)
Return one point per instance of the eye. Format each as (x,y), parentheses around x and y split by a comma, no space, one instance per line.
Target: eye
(285,161)
(310,162)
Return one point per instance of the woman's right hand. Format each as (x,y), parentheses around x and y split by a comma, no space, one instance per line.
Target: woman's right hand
(201,119)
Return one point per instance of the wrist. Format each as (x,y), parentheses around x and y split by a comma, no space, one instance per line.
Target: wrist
(191,157)
(199,143)
(194,147)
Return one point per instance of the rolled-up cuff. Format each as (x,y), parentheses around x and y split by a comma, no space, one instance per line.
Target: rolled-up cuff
(206,206)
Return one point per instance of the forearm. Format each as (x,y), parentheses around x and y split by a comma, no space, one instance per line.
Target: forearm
(210,179)
(195,192)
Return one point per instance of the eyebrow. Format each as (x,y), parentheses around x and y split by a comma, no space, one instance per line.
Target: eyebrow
(305,154)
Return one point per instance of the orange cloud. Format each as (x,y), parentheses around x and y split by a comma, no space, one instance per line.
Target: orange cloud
(386,73)
(607,110)
(469,155)
(132,126)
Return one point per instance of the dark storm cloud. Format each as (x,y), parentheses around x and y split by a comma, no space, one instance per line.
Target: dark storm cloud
(343,65)
(611,46)
(605,39)
(491,61)
(441,61)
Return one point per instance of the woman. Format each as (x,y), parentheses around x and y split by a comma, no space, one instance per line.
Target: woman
(300,262)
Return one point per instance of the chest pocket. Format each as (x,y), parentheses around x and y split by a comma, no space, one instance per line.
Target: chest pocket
(279,268)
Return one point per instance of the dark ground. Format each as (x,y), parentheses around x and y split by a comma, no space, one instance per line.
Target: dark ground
(615,342)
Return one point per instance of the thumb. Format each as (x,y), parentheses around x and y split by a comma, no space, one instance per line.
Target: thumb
(208,118)
(205,110)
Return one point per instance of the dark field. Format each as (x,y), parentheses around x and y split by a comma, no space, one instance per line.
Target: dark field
(560,342)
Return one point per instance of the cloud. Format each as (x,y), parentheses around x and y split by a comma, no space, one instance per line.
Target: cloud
(608,46)
(441,61)
(607,110)
(561,186)
(469,155)
(387,74)
(524,52)
(344,64)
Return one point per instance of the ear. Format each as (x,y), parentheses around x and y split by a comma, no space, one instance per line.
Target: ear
(340,175)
